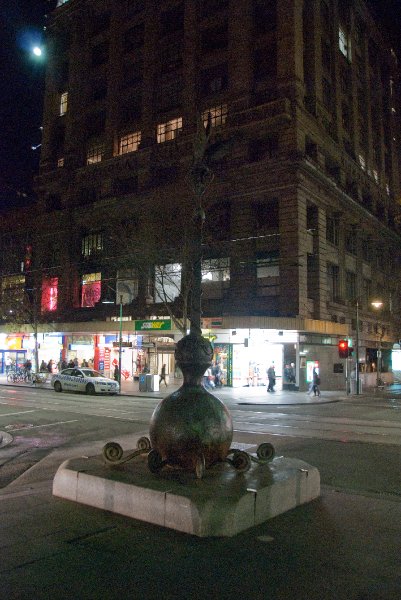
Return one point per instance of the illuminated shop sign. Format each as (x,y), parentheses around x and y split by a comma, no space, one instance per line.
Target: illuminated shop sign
(156,325)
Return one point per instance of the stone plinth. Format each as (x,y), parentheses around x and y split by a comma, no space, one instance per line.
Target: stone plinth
(223,503)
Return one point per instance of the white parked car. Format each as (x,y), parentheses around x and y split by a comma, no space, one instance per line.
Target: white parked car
(84,380)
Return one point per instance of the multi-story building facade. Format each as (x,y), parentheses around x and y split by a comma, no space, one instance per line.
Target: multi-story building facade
(302,206)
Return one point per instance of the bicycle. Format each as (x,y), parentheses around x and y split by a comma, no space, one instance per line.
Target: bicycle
(16,376)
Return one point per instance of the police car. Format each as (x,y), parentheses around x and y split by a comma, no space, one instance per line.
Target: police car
(84,380)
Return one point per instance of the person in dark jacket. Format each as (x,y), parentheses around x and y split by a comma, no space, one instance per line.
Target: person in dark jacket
(271,375)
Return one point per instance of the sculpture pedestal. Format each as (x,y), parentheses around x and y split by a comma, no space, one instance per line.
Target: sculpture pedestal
(223,503)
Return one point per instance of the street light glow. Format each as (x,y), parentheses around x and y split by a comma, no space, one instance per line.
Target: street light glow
(377,303)
(37,51)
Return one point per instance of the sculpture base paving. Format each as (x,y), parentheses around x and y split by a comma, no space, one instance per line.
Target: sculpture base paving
(223,503)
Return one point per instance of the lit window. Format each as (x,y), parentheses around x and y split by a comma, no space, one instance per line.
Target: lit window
(216,269)
(91,289)
(92,243)
(267,266)
(60,162)
(167,282)
(130,142)
(169,131)
(61,2)
(63,103)
(127,285)
(362,162)
(12,291)
(217,115)
(94,154)
(376,175)
(344,43)
(49,294)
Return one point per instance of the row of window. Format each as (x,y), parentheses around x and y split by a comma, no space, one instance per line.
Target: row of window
(369,252)
(166,284)
(165,132)
(350,286)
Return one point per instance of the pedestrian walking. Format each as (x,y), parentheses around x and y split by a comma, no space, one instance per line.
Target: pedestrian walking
(316,383)
(116,373)
(8,364)
(50,366)
(163,376)
(271,376)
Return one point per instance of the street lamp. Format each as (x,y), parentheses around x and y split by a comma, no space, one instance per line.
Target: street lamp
(357,349)
(378,304)
(108,300)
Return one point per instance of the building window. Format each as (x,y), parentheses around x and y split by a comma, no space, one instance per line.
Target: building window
(217,115)
(129,142)
(63,103)
(265,62)
(267,266)
(169,131)
(169,94)
(49,294)
(134,38)
(92,244)
(362,162)
(262,148)
(12,292)
(268,273)
(344,42)
(60,162)
(351,240)
(216,269)
(350,285)
(215,38)
(214,80)
(91,289)
(333,230)
(167,282)
(333,282)
(127,286)
(94,154)
(367,291)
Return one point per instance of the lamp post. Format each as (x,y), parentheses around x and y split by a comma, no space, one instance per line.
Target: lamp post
(378,304)
(357,348)
(108,300)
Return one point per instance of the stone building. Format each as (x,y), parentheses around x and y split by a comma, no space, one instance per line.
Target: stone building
(302,227)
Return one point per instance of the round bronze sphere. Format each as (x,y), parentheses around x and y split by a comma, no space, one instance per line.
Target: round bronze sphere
(190,423)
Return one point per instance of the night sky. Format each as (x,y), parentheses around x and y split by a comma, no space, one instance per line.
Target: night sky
(22,85)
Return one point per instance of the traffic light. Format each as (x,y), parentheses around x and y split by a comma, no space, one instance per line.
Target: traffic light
(344,350)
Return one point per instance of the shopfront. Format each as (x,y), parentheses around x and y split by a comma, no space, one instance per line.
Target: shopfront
(12,352)
(244,355)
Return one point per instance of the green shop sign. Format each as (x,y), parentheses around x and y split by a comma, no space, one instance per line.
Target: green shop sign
(156,325)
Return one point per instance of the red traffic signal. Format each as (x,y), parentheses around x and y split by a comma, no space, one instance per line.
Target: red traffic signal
(344,350)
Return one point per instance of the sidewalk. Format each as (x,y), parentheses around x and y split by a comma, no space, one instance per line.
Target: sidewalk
(241,395)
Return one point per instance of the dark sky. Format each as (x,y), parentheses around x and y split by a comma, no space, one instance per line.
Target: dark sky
(22,82)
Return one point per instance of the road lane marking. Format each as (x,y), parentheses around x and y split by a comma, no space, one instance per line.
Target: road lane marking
(47,425)
(21,412)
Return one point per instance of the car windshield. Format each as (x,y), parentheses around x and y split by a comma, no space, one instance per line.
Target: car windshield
(91,373)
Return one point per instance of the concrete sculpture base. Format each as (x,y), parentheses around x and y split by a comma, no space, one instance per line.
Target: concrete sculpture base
(223,503)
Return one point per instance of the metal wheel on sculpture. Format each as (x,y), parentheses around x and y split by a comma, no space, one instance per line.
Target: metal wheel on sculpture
(241,461)
(155,461)
(200,466)
(265,451)
(112,452)
(143,443)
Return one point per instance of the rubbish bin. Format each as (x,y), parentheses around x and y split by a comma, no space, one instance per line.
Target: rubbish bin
(142,382)
(152,383)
